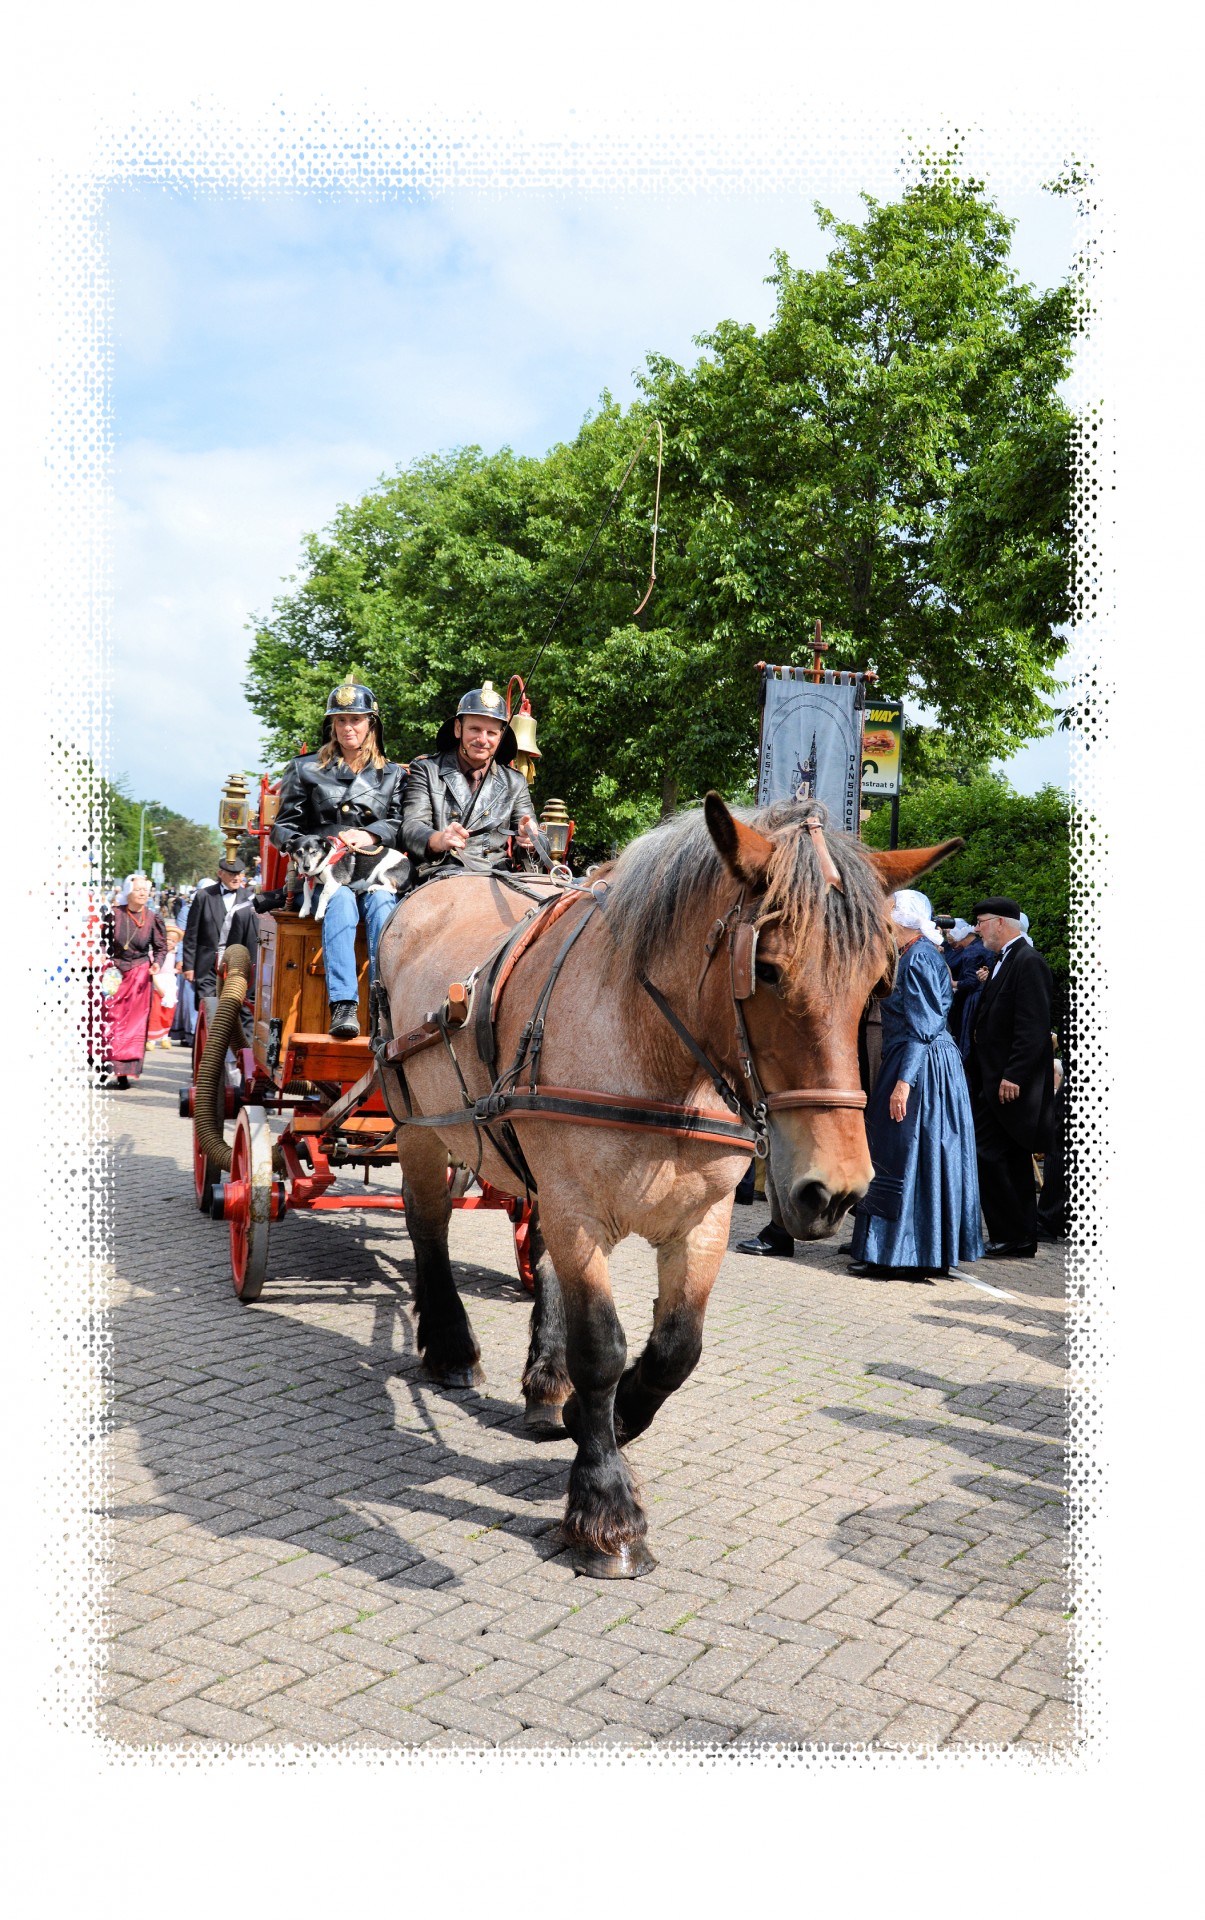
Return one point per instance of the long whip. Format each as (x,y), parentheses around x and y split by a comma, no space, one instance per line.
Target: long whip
(606,513)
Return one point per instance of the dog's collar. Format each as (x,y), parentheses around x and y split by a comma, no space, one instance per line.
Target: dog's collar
(335,852)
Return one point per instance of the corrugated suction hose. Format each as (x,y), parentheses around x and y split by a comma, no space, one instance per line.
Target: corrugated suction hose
(210,1101)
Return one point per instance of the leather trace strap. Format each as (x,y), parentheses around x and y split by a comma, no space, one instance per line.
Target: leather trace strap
(495,1111)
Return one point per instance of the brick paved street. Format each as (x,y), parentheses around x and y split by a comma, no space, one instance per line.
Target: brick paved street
(857,1502)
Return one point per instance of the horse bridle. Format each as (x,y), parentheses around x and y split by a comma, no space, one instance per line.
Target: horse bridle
(741,935)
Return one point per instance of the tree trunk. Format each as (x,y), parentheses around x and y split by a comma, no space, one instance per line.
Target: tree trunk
(669,795)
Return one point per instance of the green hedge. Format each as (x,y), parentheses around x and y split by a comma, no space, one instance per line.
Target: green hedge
(1017,844)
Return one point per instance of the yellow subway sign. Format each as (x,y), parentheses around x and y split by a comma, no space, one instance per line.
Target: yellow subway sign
(882,739)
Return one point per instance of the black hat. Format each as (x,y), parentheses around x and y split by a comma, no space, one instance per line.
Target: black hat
(998,903)
(230,866)
(351,697)
(490,704)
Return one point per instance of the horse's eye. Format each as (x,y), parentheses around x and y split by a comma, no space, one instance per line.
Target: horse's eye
(766,972)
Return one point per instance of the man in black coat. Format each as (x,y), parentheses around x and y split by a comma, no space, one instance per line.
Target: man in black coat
(466,801)
(1012,1078)
(222,914)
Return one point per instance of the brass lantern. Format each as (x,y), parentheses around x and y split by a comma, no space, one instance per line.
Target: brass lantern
(523,726)
(234,812)
(558,828)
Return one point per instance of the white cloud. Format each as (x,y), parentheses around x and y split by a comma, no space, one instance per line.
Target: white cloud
(274,357)
(201,544)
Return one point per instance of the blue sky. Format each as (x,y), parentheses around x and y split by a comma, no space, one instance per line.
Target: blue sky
(274,356)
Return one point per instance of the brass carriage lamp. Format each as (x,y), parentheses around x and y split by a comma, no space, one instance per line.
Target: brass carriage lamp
(558,828)
(234,812)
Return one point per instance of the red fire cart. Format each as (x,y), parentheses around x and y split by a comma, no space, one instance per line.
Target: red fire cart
(327,1090)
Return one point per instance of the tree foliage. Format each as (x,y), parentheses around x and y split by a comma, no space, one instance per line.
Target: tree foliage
(890,454)
(1017,844)
(187,849)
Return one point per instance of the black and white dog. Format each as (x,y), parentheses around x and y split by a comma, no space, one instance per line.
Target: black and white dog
(328,865)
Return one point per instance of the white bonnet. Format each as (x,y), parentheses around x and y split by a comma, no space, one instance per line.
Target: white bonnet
(912,909)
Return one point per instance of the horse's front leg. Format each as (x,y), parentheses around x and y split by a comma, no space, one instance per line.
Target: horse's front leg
(546,1382)
(604,1525)
(686,1271)
(445,1338)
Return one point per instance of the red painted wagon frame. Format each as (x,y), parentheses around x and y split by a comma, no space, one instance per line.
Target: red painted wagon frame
(337,1114)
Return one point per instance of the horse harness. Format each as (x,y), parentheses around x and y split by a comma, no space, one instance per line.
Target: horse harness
(478,1000)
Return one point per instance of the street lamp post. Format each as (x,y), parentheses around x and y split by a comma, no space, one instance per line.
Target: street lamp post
(142,836)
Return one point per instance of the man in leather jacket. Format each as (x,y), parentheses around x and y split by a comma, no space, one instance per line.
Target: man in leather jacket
(466,800)
(350,790)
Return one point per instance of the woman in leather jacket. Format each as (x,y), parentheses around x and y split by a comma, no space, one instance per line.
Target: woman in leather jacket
(350,790)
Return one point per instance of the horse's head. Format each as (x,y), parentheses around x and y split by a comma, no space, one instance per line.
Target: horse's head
(824,947)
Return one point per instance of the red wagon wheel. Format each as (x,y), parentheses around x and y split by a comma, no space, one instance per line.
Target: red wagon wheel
(205,1172)
(248,1202)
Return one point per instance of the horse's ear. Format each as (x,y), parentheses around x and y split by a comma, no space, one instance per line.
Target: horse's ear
(745,852)
(902,865)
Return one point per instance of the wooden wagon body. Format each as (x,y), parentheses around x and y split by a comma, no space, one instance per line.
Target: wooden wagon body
(326,1092)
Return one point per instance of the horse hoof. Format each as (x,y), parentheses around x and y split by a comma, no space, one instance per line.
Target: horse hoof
(628,1564)
(456,1376)
(543,1422)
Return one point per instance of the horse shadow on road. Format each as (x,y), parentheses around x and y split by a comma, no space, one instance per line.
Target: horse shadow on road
(1003,1520)
(272,1422)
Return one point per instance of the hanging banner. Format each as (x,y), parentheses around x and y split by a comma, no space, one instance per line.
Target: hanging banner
(811,741)
(882,745)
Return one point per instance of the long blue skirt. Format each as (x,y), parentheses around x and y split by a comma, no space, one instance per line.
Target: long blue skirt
(922,1207)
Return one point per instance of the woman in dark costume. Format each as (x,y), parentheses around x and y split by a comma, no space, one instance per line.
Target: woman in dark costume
(965,957)
(136,942)
(920,1214)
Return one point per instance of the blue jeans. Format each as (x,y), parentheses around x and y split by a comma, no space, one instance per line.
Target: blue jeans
(339,938)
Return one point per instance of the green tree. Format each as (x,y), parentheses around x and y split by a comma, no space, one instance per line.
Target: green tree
(120,839)
(891,454)
(1017,844)
(187,849)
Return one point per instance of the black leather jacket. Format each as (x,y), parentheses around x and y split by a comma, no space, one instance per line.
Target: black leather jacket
(326,800)
(439,793)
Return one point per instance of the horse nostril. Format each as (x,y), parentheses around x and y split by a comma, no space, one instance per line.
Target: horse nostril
(813,1197)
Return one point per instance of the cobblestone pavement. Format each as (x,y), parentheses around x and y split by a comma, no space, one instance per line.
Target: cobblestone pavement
(857,1502)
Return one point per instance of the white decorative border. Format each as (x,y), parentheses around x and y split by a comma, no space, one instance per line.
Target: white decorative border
(63,523)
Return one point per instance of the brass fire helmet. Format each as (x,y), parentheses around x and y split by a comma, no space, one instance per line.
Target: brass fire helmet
(351,697)
(491,705)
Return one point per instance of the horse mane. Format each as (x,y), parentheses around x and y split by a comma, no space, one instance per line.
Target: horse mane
(675,868)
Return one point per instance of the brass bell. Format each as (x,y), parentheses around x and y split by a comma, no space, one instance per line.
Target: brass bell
(523,726)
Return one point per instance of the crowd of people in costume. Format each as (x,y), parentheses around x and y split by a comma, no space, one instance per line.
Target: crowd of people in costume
(462,806)
(963,1088)
(159,955)
(963,1092)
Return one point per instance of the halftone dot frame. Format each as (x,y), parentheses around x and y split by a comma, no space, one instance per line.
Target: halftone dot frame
(332,150)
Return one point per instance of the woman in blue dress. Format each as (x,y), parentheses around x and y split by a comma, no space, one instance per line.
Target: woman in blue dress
(920,1214)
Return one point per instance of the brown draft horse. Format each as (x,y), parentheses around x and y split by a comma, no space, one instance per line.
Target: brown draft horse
(666,933)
